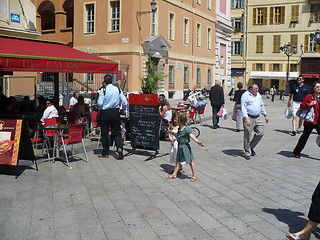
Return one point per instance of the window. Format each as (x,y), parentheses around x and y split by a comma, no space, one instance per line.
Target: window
(68,8)
(237,3)
(171,74)
(314,13)
(198,35)
(89,78)
(209,38)
(237,48)
(259,67)
(209,76)
(171,26)
(276,67)
(260,16)
(115,16)
(186,74)
(277,15)
(293,67)
(209,2)
(198,77)
(259,44)
(294,13)
(276,43)
(310,43)
(186,31)
(89,18)
(153,24)
(47,16)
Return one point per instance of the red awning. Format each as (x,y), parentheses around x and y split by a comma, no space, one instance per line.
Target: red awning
(40,56)
(310,75)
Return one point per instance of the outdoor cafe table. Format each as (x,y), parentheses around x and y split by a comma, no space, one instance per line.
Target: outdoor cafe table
(62,128)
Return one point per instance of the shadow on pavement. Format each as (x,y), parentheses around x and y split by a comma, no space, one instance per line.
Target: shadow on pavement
(233,152)
(283,131)
(169,170)
(290,155)
(293,219)
(14,170)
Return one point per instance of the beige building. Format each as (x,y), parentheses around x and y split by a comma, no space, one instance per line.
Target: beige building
(179,36)
(17,18)
(268,26)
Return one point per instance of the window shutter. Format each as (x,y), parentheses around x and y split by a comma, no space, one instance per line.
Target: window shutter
(265,16)
(253,66)
(232,48)
(232,3)
(282,15)
(306,43)
(270,67)
(241,48)
(311,13)
(280,67)
(271,15)
(254,16)
(263,67)
(232,22)
(241,24)
(261,44)
(318,47)
(318,12)
(295,13)
(242,3)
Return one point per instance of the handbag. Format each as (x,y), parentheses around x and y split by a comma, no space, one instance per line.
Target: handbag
(288,113)
(306,114)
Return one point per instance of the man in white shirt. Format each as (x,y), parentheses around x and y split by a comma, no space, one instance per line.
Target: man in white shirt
(73,100)
(252,107)
(50,111)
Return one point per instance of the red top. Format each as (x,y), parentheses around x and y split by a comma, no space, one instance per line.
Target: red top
(306,105)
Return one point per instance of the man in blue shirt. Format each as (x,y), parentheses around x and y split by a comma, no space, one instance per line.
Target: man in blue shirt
(109,102)
(252,107)
(297,94)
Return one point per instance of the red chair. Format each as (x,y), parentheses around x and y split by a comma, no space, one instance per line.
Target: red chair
(74,136)
(200,113)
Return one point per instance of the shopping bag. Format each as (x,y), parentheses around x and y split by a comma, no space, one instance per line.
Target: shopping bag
(224,114)
(220,112)
(306,114)
(288,113)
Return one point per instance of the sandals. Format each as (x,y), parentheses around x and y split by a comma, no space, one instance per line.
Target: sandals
(171,177)
(293,236)
(193,179)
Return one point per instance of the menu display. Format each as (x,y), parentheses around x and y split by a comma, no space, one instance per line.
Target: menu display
(144,121)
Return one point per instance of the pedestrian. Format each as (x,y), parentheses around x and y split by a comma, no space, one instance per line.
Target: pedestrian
(216,96)
(73,100)
(184,153)
(237,105)
(252,107)
(50,111)
(313,218)
(297,94)
(173,130)
(273,92)
(312,99)
(109,99)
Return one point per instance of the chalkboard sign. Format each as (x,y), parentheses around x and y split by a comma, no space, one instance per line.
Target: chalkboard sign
(144,121)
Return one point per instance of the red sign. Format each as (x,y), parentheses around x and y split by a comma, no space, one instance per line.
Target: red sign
(143,99)
(10,133)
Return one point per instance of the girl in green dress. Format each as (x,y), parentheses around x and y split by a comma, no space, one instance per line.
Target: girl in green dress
(184,153)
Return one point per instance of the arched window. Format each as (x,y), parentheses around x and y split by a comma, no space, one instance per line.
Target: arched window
(68,8)
(46,11)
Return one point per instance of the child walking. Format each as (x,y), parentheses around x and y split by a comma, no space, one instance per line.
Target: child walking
(184,153)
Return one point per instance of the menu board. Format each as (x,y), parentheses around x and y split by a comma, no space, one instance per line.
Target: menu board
(144,121)
(10,133)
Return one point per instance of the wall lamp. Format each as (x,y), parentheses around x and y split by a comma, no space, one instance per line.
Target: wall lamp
(153,9)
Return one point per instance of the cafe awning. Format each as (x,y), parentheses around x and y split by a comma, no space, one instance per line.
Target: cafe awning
(41,56)
(273,75)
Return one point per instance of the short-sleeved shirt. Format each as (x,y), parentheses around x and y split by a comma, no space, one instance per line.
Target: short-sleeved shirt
(299,93)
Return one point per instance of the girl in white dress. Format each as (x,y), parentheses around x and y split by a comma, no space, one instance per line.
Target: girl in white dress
(174,127)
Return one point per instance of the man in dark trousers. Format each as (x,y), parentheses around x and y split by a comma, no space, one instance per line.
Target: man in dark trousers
(216,96)
(109,102)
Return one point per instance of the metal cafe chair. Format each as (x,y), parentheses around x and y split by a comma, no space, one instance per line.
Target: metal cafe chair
(74,136)
(200,114)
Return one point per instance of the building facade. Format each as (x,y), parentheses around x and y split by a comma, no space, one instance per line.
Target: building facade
(17,18)
(223,43)
(179,36)
(273,24)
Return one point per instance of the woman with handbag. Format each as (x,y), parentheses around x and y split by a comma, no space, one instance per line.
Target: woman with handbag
(311,100)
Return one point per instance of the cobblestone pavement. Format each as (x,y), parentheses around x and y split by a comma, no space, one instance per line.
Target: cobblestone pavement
(233,198)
